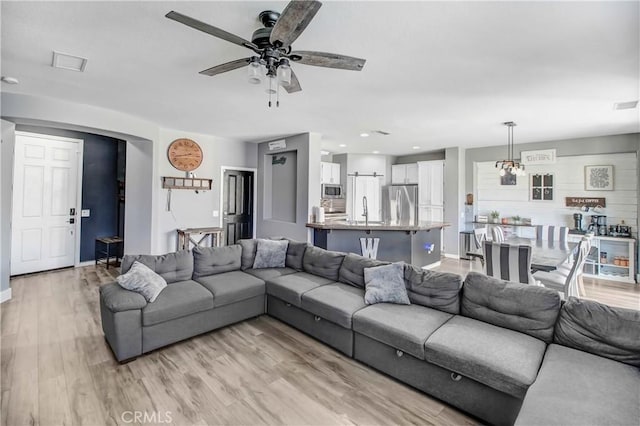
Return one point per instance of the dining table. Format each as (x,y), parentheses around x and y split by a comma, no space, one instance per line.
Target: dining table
(546,255)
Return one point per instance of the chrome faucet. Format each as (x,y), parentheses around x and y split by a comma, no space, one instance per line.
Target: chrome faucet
(365,211)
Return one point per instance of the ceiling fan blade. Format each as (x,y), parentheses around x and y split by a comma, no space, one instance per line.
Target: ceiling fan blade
(229,66)
(328,60)
(294,86)
(292,21)
(210,29)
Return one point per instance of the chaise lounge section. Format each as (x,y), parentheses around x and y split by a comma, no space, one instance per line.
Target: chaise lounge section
(492,348)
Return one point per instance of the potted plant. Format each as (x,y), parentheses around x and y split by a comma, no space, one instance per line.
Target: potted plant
(495,215)
(516,220)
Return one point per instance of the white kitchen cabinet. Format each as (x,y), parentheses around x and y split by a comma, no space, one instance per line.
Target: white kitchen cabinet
(431,189)
(370,187)
(330,172)
(403,174)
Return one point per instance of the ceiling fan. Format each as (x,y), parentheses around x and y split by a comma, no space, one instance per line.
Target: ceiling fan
(272,46)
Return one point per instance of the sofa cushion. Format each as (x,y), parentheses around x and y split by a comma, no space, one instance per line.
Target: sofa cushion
(322,262)
(503,359)
(269,273)
(385,284)
(600,329)
(522,307)
(295,254)
(216,260)
(402,327)
(231,287)
(117,299)
(141,279)
(177,300)
(173,267)
(578,388)
(335,302)
(291,287)
(438,290)
(271,254)
(249,247)
(352,269)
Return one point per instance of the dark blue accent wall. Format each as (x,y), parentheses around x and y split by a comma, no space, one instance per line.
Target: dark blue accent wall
(99,185)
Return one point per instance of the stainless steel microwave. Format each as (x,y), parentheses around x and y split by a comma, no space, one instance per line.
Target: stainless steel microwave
(330,190)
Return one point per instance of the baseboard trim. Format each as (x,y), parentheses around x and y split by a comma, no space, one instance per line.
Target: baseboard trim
(451,256)
(86,263)
(5,295)
(433,265)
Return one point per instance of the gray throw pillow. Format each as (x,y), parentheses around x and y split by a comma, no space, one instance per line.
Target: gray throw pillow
(141,279)
(271,254)
(385,284)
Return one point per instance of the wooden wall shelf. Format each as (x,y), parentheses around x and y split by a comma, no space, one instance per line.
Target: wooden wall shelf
(198,184)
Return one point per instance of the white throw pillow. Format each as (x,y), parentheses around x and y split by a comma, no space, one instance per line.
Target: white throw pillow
(385,284)
(141,279)
(271,254)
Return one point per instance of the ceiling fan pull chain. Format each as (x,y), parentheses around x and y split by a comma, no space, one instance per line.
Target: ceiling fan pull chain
(277,95)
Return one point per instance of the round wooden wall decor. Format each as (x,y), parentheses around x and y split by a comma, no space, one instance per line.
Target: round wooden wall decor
(184,154)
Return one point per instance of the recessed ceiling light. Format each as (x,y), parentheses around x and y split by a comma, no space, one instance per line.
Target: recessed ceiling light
(343,145)
(364,135)
(376,152)
(9,80)
(68,62)
(415,147)
(625,105)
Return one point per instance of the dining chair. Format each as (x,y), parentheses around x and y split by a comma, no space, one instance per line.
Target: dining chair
(479,237)
(567,284)
(552,233)
(508,262)
(498,234)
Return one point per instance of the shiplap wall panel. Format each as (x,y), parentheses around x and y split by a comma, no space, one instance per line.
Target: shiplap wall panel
(512,200)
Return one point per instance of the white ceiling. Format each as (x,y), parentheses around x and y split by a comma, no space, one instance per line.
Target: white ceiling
(438,74)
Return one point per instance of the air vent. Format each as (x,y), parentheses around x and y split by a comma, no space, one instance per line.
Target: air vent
(625,105)
(381,132)
(68,62)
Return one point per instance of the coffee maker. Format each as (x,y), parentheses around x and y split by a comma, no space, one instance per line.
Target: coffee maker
(577,222)
(598,224)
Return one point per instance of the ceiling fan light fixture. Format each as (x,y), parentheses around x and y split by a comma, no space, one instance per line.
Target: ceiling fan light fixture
(255,71)
(284,72)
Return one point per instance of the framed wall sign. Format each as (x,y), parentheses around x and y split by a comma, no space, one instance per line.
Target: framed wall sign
(542,187)
(541,156)
(598,178)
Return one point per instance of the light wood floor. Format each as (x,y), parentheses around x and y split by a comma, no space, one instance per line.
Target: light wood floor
(608,292)
(58,370)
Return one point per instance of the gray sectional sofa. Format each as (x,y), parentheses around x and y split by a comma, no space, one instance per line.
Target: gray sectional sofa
(504,352)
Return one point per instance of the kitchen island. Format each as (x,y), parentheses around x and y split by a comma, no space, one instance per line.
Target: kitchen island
(418,245)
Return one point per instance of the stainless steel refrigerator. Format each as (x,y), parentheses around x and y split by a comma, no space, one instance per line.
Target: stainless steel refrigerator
(400,204)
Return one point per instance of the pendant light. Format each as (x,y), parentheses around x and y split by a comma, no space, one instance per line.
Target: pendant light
(510,165)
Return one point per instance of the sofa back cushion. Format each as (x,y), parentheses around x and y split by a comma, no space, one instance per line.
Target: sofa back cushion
(525,308)
(352,269)
(437,290)
(322,263)
(216,260)
(173,267)
(600,329)
(295,253)
(249,248)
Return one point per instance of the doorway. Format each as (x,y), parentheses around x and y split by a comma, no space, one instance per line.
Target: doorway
(46,194)
(238,204)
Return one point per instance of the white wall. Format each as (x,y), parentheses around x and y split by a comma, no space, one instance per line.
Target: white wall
(188,209)
(6,192)
(622,202)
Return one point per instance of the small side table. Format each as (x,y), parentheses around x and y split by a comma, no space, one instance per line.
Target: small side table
(108,247)
(203,237)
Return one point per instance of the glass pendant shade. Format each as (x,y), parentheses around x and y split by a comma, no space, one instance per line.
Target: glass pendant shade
(284,74)
(271,84)
(254,71)
(502,172)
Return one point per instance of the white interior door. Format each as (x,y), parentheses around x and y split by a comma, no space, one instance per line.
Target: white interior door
(44,203)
